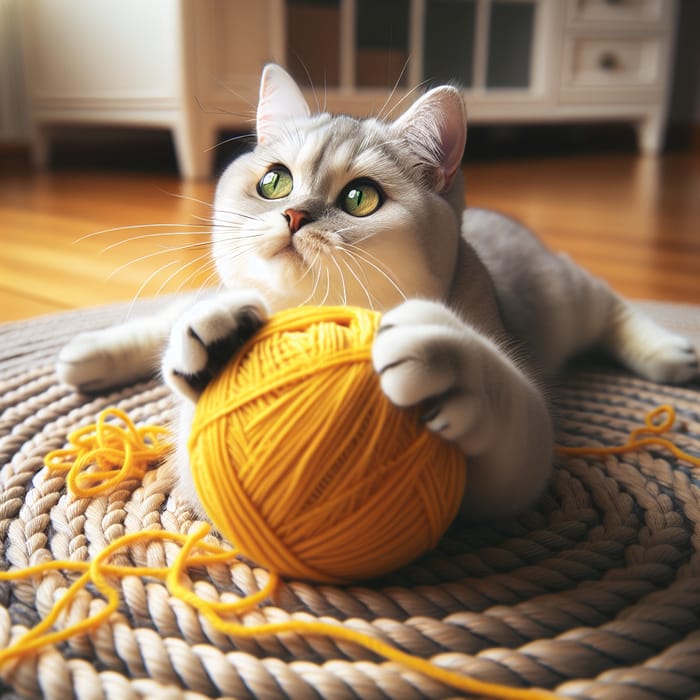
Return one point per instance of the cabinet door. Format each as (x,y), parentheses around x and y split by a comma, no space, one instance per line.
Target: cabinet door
(313,36)
(449,42)
(493,46)
(75,52)
(511,42)
(233,40)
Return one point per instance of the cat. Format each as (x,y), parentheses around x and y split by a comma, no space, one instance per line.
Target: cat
(477,314)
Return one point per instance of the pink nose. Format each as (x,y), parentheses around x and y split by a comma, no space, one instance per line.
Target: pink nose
(296,219)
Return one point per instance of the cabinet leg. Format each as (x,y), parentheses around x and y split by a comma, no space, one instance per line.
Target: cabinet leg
(194,151)
(41,147)
(650,134)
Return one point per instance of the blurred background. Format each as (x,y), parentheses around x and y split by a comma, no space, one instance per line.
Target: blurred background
(120,113)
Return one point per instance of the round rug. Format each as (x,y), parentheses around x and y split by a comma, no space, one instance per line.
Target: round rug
(594,593)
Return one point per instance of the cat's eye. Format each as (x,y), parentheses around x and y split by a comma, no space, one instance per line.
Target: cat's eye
(276,183)
(361,198)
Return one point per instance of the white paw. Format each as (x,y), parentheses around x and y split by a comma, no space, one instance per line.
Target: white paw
(669,358)
(86,362)
(98,360)
(650,350)
(206,336)
(425,356)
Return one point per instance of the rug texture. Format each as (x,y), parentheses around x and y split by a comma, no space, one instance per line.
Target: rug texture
(594,593)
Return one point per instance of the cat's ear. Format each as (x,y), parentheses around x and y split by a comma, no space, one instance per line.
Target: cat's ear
(435,127)
(280,100)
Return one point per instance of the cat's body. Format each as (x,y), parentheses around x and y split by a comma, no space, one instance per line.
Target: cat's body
(478,314)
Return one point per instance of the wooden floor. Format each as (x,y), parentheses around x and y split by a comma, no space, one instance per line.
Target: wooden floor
(632,220)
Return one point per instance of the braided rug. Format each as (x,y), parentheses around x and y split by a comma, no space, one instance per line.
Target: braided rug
(595,593)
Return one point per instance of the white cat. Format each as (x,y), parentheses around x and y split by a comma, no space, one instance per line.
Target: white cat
(334,210)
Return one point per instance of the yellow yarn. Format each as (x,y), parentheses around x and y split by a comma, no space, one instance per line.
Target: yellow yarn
(300,459)
(104,455)
(645,435)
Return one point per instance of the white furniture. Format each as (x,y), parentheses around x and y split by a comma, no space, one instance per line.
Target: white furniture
(193,65)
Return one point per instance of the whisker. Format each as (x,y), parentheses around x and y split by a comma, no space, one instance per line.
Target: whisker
(361,284)
(249,135)
(342,281)
(317,279)
(126,241)
(147,256)
(187,198)
(328,288)
(394,89)
(366,257)
(405,97)
(308,78)
(134,227)
(310,266)
(146,282)
(190,276)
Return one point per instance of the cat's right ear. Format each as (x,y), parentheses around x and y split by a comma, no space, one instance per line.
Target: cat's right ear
(435,129)
(280,100)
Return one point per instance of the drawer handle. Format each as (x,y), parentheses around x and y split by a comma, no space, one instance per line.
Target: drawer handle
(608,61)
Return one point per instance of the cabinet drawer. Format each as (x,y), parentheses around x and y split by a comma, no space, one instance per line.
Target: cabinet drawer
(617,12)
(616,63)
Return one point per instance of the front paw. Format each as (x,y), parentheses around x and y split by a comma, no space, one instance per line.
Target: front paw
(426,356)
(206,336)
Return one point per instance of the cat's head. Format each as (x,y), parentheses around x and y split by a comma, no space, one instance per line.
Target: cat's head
(337,210)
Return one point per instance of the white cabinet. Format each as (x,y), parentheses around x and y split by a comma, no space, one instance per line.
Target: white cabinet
(193,65)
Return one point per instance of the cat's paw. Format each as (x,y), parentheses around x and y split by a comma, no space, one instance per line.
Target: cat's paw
(207,335)
(651,350)
(98,360)
(425,356)
(86,362)
(669,359)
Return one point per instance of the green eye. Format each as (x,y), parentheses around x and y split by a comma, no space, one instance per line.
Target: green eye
(361,198)
(275,183)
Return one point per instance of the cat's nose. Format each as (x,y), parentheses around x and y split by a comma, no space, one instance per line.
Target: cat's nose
(296,219)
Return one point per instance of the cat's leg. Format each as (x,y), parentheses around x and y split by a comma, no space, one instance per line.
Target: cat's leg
(119,355)
(206,336)
(587,313)
(473,395)
(647,348)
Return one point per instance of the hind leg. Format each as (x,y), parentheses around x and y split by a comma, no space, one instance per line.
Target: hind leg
(647,348)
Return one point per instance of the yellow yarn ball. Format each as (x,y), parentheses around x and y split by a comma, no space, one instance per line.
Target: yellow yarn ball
(301,461)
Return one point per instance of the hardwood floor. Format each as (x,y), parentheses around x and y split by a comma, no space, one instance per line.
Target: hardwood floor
(71,239)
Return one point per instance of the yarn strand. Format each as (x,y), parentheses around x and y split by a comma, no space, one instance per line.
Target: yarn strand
(644,436)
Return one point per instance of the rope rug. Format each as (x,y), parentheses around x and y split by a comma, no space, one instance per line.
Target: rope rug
(595,593)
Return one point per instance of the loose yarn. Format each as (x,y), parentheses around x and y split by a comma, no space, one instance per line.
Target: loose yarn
(100,457)
(300,459)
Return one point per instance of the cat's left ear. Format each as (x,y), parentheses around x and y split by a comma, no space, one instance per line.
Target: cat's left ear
(280,100)
(435,127)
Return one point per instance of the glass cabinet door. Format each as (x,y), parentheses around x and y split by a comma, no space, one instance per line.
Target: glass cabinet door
(510,39)
(486,44)
(476,44)
(381,43)
(448,49)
